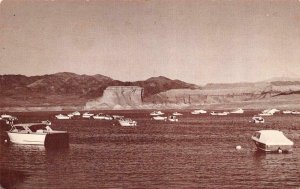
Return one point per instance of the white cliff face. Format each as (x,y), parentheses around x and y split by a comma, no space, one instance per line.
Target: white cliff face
(118,97)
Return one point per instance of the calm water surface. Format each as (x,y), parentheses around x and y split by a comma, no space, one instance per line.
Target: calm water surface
(197,152)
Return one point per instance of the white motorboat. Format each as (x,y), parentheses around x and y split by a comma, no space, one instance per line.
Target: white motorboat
(127,122)
(37,134)
(76,113)
(237,111)
(272,141)
(195,112)
(61,116)
(87,115)
(173,118)
(219,113)
(6,116)
(287,112)
(160,118)
(295,113)
(156,113)
(177,114)
(117,116)
(102,117)
(258,119)
(270,111)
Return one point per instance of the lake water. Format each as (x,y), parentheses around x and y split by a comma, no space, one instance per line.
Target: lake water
(196,152)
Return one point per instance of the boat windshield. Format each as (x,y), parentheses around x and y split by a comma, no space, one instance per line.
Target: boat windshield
(257,135)
(20,128)
(34,128)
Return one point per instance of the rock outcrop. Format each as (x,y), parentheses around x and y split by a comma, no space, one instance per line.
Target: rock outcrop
(118,97)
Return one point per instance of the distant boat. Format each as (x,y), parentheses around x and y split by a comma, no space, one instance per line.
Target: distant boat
(76,113)
(177,114)
(173,118)
(266,114)
(237,111)
(156,113)
(87,115)
(295,113)
(127,122)
(117,116)
(61,116)
(102,117)
(160,118)
(6,116)
(287,112)
(270,111)
(219,113)
(195,112)
(36,134)
(258,119)
(272,141)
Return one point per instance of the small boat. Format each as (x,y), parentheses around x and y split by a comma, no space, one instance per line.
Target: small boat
(156,113)
(37,134)
(258,119)
(87,115)
(266,114)
(61,116)
(219,113)
(102,117)
(272,141)
(6,116)
(117,117)
(173,118)
(237,111)
(195,112)
(177,114)
(126,122)
(287,112)
(76,113)
(295,113)
(160,118)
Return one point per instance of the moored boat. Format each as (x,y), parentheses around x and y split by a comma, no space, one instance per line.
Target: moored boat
(195,112)
(287,112)
(87,115)
(219,113)
(272,141)
(177,114)
(156,113)
(295,113)
(126,122)
(102,117)
(237,111)
(258,119)
(37,134)
(160,118)
(61,116)
(173,118)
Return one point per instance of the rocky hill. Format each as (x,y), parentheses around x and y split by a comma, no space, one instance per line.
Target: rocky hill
(70,89)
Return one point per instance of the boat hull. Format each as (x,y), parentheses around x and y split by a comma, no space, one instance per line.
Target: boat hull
(272,148)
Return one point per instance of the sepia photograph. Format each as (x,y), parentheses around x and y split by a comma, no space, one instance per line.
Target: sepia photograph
(149,94)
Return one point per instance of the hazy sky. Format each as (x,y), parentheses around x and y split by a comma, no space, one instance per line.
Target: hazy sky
(194,41)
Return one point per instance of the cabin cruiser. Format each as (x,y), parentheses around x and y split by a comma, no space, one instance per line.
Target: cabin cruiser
(219,113)
(237,111)
(37,134)
(173,118)
(76,113)
(160,118)
(126,122)
(266,114)
(156,113)
(258,119)
(195,112)
(177,114)
(87,115)
(102,117)
(61,116)
(6,116)
(272,141)
(117,116)
(270,111)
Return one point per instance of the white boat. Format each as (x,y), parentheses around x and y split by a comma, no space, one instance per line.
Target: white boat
(177,114)
(70,115)
(258,119)
(295,113)
(237,111)
(87,115)
(117,116)
(160,118)
(37,134)
(219,113)
(287,112)
(102,117)
(76,113)
(127,122)
(195,112)
(61,116)
(173,118)
(6,116)
(266,114)
(270,111)
(156,113)
(272,141)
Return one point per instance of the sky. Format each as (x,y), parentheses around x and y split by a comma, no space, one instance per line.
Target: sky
(197,41)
